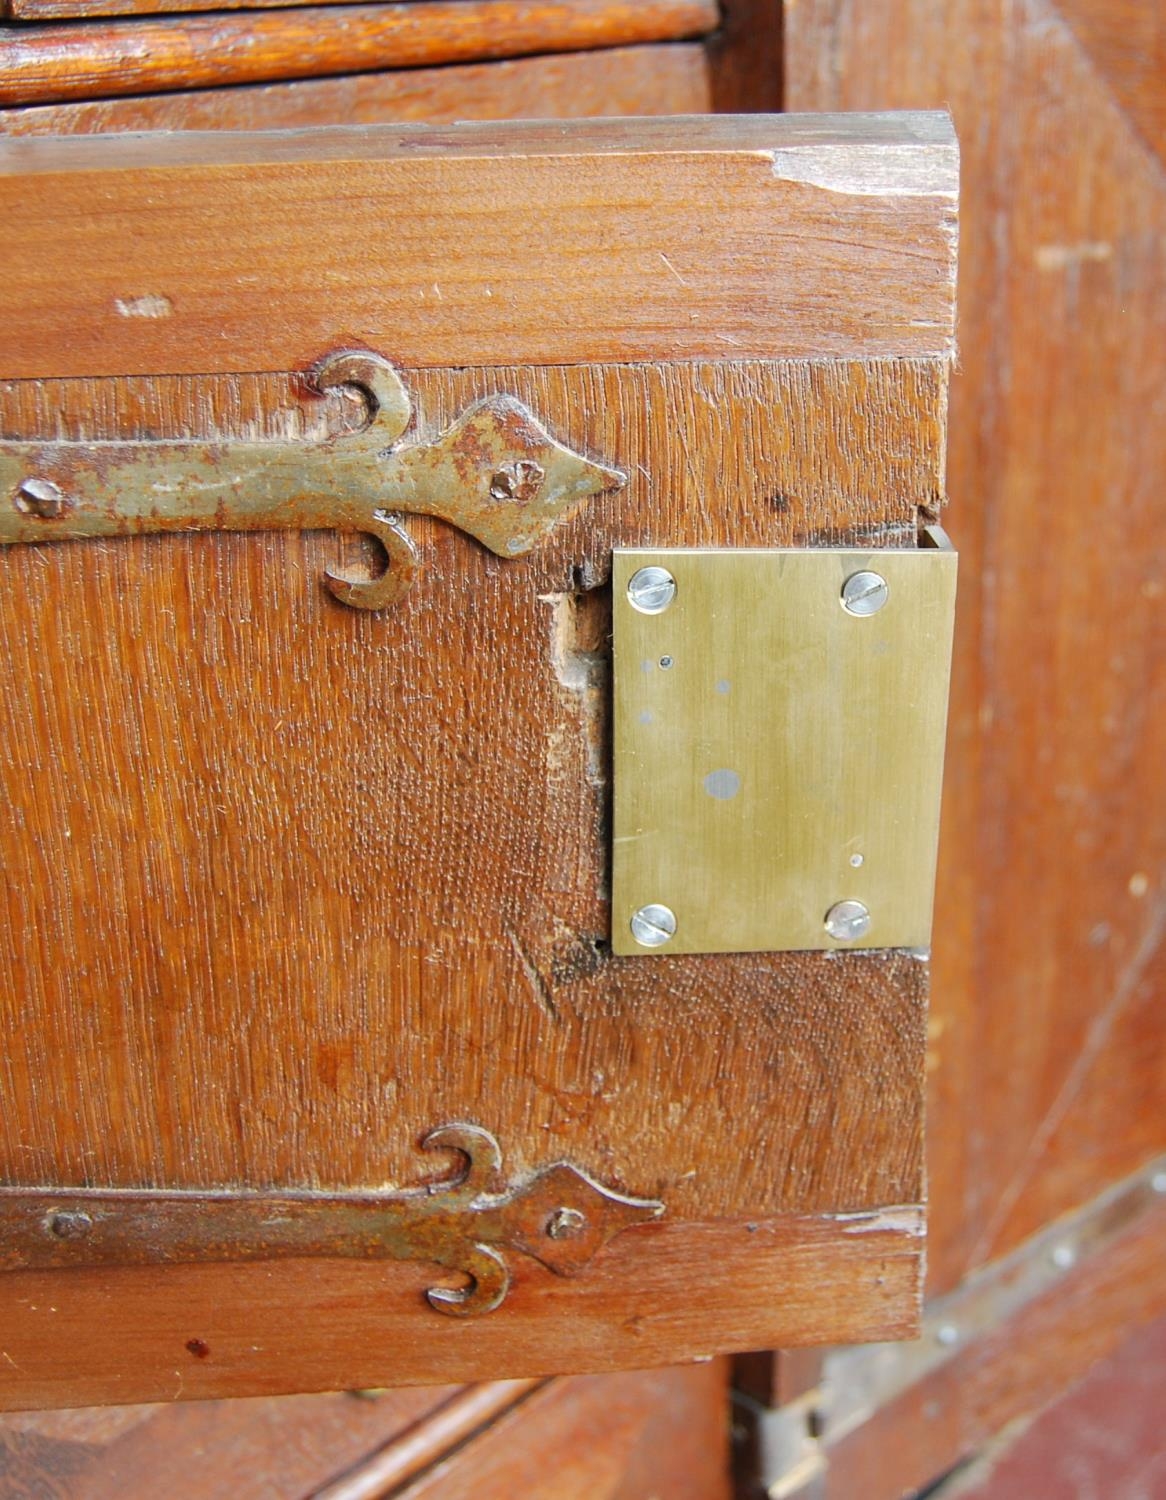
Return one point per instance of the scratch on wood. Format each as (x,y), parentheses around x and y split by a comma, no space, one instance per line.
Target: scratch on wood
(906,1219)
(673,269)
(149,306)
(1060,257)
(538,985)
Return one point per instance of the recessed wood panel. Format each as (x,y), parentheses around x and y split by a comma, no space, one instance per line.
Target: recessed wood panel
(264,848)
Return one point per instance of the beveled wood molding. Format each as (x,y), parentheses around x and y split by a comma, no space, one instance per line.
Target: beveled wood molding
(648,80)
(45,64)
(438,1434)
(753,237)
(1004,1344)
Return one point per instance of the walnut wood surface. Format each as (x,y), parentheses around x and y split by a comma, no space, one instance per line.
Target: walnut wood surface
(672,80)
(1049,1034)
(481,244)
(45,64)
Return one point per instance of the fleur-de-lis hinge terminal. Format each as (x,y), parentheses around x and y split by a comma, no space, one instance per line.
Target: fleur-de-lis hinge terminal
(495,473)
(468,1223)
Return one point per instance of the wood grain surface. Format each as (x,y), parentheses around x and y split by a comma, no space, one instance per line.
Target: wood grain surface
(1049,1034)
(45,64)
(449,1426)
(481,244)
(589,1438)
(672,80)
(286,885)
(222,785)
(270,1448)
(670,1292)
(625,1437)
(1104,1434)
(1008,1375)
(619,1437)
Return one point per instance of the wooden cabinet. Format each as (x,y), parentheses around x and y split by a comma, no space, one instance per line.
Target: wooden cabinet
(1044,1086)
(1044,1090)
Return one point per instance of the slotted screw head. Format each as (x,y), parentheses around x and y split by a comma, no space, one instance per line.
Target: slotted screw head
(41,497)
(864,593)
(846,921)
(651,590)
(566,1224)
(69,1224)
(653,925)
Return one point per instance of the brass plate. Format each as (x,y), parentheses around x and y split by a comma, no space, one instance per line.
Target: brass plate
(775,754)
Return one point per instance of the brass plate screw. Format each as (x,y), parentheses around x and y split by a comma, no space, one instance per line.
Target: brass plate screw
(653,925)
(651,590)
(864,593)
(847,921)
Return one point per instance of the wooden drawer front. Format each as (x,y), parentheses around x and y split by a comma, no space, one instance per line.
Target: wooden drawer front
(289,884)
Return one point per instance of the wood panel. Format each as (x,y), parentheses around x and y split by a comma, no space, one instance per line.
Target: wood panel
(1047,1055)
(287,884)
(1009,1374)
(617,81)
(203,703)
(623,1437)
(46,64)
(482,244)
(450,1425)
(266,1449)
(668,1293)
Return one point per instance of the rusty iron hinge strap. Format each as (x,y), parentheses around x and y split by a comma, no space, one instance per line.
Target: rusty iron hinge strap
(465,1223)
(496,474)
